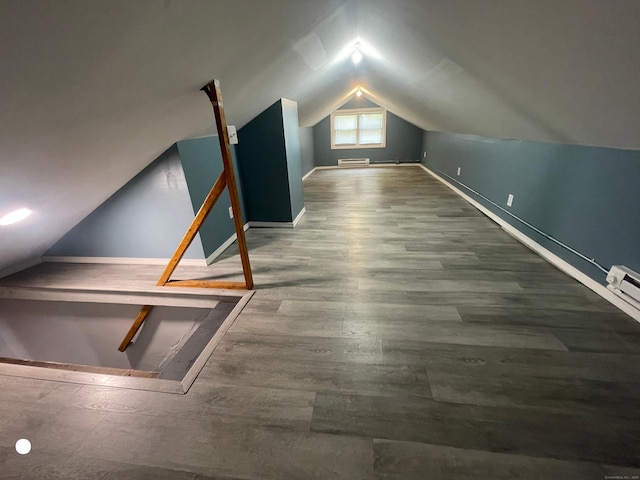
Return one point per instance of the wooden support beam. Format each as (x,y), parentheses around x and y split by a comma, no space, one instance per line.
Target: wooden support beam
(207,284)
(215,95)
(226,179)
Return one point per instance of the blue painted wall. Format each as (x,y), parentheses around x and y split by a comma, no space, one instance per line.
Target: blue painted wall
(404,140)
(265,159)
(146,218)
(202,164)
(306,150)
(586,197)
(294,155)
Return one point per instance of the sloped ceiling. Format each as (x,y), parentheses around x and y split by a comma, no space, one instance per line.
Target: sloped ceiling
(92,92)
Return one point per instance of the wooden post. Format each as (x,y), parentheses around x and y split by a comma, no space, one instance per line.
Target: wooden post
(226,179)
(215,95)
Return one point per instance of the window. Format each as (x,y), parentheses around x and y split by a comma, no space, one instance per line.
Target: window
(365,128)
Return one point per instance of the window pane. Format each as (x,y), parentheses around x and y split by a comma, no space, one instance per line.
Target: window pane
(346,137)
(345,122)
(370,121)
(358,128)
(369,137)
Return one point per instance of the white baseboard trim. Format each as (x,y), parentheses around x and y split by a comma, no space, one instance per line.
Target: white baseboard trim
(309,174)
(544,253)
(218,251)
(191,262)
(21,266)
(297,219)
(227,243)
(144,261)
(329,167)
(278,224)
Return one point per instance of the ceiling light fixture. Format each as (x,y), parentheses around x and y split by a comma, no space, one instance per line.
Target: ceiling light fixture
(358,92)
(356,58)
(15,216)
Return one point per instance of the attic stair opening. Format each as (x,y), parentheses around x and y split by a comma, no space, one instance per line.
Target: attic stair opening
(68,335)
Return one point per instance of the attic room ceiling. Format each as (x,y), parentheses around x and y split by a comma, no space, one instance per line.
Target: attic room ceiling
(92,92)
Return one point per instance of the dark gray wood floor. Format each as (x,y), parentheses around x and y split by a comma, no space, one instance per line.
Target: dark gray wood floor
(396,333)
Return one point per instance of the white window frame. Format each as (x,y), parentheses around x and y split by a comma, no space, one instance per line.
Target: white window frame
(358,112)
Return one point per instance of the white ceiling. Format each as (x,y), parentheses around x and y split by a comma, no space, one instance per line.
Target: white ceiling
(92,92)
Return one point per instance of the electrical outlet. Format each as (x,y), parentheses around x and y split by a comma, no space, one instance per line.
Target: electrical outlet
(509,200)
(459,171)
(230,212)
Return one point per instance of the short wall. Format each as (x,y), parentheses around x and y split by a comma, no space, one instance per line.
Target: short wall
(585,197)
(306,150)
(202,164)
(144,219)
(270,164)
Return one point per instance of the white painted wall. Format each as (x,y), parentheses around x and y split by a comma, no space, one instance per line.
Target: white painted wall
(92,92)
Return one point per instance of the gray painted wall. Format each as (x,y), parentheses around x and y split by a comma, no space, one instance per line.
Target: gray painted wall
(404,140)
(145,219)
(306,150)
(202,164)
(294,155)
(264,168)
(586,197)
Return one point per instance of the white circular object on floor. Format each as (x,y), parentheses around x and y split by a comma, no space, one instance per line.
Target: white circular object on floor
(23,446)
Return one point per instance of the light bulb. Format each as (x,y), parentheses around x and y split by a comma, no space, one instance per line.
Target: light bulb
(358,93)
(356,58)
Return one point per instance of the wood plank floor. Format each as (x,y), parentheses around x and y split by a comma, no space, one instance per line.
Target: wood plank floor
(396,333)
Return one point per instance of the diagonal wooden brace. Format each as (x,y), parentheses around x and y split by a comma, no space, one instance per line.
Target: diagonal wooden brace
(215,96)
(200,217)
(226,179)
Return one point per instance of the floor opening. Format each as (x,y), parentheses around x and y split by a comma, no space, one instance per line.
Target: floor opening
(73,336)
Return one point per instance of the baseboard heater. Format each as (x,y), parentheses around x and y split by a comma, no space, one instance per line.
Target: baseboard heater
(625,283)
(353,162)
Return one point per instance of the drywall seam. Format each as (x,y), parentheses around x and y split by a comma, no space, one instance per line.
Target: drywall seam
(544,253)
(226,244)
(191,262)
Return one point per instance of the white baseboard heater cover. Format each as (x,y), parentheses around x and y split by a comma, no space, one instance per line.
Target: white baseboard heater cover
(625,283)
(350,162)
